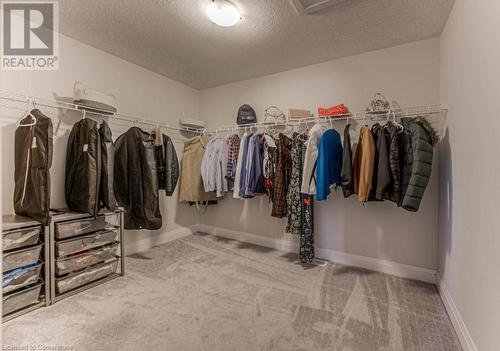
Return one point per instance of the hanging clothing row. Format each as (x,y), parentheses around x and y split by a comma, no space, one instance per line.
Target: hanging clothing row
(133,169)
(391,162)
(99,173)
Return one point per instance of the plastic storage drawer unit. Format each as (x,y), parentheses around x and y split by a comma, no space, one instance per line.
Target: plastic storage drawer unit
(86,259)
(21,258)
(15,239)
(21,277)
(65,230)
(87,276)
(20,299)
(83,243)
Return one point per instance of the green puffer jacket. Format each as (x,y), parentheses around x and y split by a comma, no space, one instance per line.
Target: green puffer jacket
(417,141)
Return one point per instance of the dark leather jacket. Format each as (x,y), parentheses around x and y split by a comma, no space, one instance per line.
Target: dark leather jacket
(32,162)
(136,184)
(382,171)
(167,165)
(89,168)
(346,174)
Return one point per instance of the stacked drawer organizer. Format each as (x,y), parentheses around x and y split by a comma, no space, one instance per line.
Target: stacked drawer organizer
(25,266)
(85,251)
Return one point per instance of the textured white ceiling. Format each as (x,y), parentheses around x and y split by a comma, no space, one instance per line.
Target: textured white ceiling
(176,39)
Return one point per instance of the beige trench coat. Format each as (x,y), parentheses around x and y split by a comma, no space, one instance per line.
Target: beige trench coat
(191,184)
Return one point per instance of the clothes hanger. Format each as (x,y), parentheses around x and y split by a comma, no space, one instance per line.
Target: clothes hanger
(400,126)
(29,107)
(303,134)
(303,127)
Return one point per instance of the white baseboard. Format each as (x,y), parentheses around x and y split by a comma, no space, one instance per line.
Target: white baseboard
(277,244)
(145,244)
(456,318)
(389,267)
(379,265)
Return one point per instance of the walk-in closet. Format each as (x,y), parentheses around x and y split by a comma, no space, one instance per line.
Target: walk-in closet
(250,175)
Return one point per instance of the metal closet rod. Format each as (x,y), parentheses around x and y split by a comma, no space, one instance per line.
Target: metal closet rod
(57,104)
(356,116)
(407,112)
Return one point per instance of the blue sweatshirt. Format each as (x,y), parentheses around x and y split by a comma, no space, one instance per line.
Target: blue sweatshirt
(329,163)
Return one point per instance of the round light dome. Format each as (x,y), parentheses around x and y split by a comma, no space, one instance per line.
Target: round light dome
(223,13)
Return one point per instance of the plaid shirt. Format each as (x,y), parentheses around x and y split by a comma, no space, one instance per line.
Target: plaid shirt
(233,150)
(283,170)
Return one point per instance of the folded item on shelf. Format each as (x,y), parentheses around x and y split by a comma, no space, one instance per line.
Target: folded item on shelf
(295,113)
(337,110)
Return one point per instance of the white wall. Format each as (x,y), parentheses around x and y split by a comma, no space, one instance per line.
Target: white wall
(469,241)
(407,73)
(139,92)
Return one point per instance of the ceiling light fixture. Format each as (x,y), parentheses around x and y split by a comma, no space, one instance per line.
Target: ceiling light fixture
(223,13)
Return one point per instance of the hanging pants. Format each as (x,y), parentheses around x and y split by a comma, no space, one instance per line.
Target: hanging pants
(306,252)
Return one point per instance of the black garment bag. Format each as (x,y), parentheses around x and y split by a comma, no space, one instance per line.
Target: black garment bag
(33,159)
(89,168)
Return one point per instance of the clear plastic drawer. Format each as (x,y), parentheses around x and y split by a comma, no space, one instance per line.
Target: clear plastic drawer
(87,276)
(83,243)
(14,239)
(19,299)
(86,259)
(70,229)
(21,277)
(21,258)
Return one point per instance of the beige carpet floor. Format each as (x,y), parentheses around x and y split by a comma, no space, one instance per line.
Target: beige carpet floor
(207,293)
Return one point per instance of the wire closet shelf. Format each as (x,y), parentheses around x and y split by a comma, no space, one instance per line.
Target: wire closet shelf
(435,114)
(13,100)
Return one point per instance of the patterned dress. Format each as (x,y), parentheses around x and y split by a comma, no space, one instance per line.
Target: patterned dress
(306,252)
(283,168)
(293,202)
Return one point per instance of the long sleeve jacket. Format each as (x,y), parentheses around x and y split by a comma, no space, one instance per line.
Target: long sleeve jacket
(214,167)
(308,185)
(417,146)
(136,187)
(363,164)
(346,174)
(167,165)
